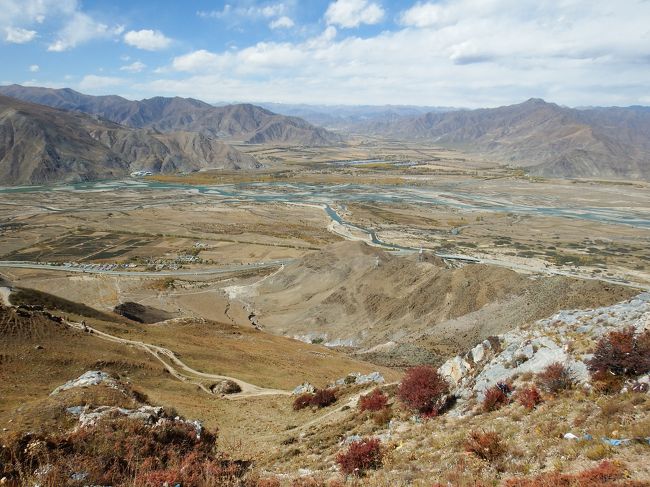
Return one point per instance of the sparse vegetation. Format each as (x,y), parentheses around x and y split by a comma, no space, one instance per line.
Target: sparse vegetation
(603,475)
(486,445)
(120,452)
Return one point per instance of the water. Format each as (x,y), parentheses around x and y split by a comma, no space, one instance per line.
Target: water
(326,194)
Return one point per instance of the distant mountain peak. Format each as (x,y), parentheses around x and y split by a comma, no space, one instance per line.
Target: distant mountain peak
(536,101)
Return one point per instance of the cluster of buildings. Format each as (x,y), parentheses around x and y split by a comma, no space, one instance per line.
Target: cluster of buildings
(98,267)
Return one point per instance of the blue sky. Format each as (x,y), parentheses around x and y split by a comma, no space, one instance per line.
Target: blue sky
(429,52)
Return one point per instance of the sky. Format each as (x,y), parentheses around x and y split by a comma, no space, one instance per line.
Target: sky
(461,53)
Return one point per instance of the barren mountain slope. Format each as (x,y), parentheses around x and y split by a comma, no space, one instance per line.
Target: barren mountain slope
(39,144)
(357,295)
(241,121)
(548,139)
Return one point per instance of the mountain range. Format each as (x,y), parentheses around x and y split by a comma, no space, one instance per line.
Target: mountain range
(545,138)
(106,136)
(241,122)
(345,117)
(40,145)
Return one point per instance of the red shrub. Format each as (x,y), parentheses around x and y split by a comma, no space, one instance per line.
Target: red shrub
(496,397)
(603,475)
(555,378)
(375,401)
(622,353)
(485,444)
(323,398)
(361,456)
(607,383)
(302,401)
(529,397)
(423,389)
(320,399)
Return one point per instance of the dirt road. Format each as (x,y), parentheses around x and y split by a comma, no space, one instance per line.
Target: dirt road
(188,374)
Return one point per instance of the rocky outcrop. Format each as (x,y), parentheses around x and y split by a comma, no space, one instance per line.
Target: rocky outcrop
(88,379)
(530,349)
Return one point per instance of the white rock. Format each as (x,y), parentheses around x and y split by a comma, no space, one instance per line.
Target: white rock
(304,388)
(87,379)
(455,369)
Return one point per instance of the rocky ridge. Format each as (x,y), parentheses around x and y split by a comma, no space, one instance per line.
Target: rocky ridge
(565,337)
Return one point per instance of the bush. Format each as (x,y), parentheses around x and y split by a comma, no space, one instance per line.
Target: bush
(122,451)
(302,401)
(555,378)
(361,456)
(423,389)
(485,444)
(375,401)
(607,383)
(496,397)
(323,398)
(383,417)
(622,353)
(319,399)
(604,474)
(529,397)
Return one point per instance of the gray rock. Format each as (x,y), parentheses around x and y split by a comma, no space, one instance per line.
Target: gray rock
(149,414)
(87,379)
(75,410)
(303,388)
(351,439)
(226,387)
(375,377)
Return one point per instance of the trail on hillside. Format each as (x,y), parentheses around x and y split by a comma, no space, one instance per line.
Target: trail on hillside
(191,375)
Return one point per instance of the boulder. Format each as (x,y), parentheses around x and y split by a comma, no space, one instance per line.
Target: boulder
(226,387)
(455,369)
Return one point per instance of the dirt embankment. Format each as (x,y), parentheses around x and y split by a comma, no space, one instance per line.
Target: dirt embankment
(356,295)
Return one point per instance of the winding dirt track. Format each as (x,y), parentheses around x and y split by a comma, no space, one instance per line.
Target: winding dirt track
(182,371)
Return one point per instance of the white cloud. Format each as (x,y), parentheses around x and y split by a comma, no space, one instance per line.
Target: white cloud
(82,28)
(75,26)
(268,11)
(470,53)
(28,12)
(134,67)
(34,68)
(16,35)
(149,40)
(424,15)
(353,13)
(283,22)
(92,82)
(196,61)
